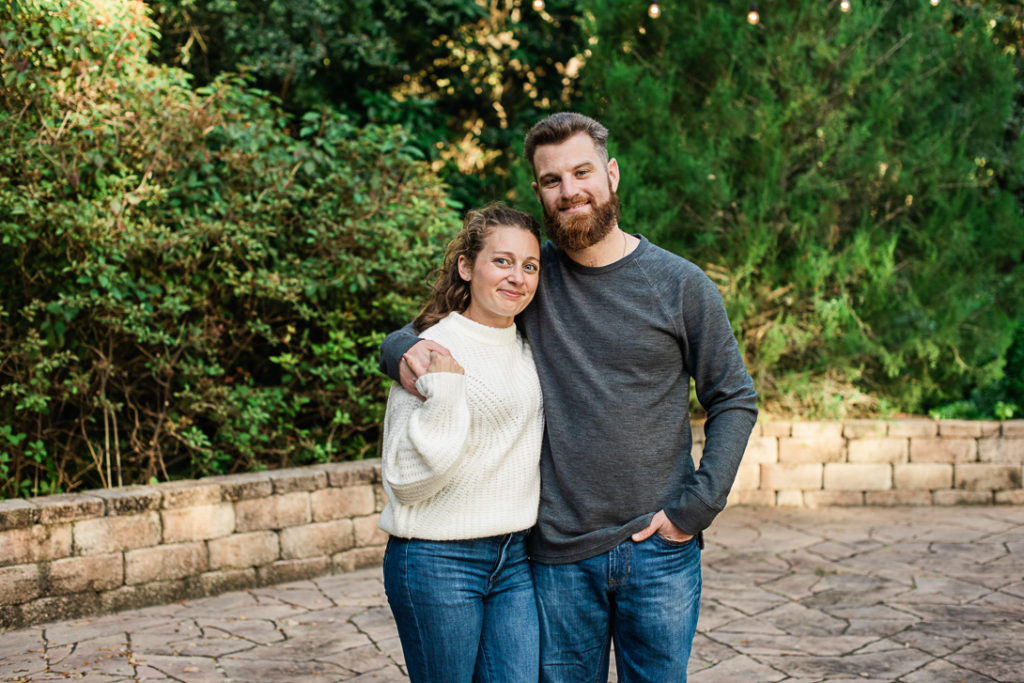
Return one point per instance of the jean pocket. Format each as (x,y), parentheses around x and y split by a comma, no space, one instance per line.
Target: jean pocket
(671,543)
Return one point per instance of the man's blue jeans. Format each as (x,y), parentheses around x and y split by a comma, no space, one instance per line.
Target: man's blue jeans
(465,610)
(645,596)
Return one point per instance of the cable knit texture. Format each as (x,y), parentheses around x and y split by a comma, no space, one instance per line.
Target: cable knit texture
(465,462)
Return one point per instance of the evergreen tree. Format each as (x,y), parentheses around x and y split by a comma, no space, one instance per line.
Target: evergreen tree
(851,181)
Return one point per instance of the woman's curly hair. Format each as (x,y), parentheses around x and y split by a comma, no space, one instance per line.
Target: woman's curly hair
(450,292)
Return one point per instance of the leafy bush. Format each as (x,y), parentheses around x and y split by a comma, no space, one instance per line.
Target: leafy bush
(850,180)
(193,282)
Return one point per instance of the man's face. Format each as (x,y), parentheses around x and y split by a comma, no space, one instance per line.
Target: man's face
(577,192)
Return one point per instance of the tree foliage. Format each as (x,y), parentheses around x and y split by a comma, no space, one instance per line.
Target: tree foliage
(194,282)
(847,178)
(465,77)
(207,221)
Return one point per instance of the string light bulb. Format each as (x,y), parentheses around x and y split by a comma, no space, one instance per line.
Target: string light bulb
(935,3)
(538,5)
(654,11)
(752,16)
(845,5)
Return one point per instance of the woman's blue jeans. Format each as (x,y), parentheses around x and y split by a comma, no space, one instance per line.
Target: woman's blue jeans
(465,609)
(645,596)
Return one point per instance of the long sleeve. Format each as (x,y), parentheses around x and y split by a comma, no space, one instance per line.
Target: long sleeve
(392,348)
(727,393)
(425,439)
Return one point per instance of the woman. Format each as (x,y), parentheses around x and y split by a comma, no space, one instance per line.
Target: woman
(461,468)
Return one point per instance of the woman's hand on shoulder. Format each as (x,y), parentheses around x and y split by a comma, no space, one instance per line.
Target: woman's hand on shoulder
(415,362)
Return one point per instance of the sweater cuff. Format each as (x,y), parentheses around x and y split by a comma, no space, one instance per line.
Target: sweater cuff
(692,515)
(444,387)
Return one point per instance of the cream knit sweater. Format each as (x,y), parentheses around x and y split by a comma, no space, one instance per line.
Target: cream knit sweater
(465,462)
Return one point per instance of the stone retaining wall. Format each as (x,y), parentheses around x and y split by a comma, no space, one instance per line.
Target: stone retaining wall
(881,462)
(101,551)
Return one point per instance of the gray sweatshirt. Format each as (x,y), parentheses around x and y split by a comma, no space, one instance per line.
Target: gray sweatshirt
(615,348)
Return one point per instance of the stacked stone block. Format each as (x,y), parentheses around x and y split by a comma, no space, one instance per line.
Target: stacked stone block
(69,555)
(913,461)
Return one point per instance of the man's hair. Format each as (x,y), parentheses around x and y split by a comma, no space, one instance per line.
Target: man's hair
(558,128)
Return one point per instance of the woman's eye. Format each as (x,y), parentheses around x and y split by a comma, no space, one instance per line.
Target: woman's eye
(530,267)
(501,261)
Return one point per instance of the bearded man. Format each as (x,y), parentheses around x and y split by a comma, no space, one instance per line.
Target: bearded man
(618,327)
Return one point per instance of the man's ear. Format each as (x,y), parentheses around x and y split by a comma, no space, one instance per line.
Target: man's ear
(613,173)
(536,190)
(465,268)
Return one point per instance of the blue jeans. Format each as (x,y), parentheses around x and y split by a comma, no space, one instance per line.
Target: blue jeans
(465,610)
(644,596)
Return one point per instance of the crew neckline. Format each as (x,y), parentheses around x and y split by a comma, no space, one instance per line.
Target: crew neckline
(625,260)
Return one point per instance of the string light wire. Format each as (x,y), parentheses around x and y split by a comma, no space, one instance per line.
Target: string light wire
(753,15)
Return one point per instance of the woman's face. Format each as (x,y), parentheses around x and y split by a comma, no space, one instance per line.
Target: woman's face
(503,278)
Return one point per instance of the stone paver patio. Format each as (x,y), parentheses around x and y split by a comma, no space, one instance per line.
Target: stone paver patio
(926,594)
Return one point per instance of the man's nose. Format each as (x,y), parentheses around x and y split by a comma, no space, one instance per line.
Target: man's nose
(569,188)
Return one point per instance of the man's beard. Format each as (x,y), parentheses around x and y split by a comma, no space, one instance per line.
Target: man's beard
(577,232)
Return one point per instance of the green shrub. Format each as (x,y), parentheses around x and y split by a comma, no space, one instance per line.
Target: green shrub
(193,282)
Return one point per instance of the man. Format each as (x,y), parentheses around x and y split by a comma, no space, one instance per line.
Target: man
(618,327)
